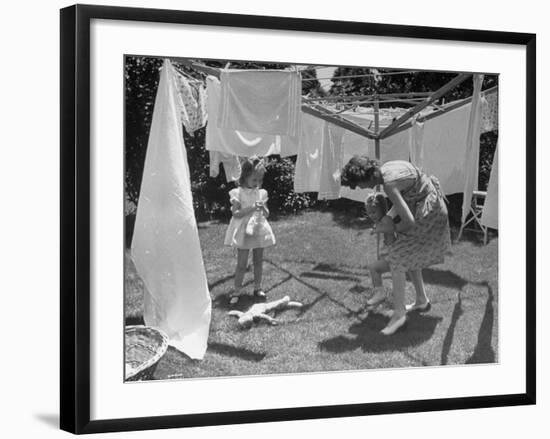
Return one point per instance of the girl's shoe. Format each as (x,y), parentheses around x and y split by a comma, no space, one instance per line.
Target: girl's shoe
(393,328)
(423,307)
(233,300)
(378,297)
(259,293)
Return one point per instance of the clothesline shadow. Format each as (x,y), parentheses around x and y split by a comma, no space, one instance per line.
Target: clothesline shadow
(365,335)
(444,278)
(449,335)
(321,295)
(483,351)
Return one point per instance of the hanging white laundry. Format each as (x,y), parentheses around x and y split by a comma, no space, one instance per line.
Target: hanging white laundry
(165,247)
(416,142)
(241,143)
(445,148)
(261,101)
(307,174)
(332,158)
(471,158)
(231,165)
(489,216)
(192,101)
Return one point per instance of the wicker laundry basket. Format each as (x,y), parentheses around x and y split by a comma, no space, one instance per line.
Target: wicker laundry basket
(144,347)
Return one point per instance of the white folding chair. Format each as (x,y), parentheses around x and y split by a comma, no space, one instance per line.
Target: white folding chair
(476,209)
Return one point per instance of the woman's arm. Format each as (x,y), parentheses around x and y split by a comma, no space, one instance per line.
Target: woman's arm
(401,208)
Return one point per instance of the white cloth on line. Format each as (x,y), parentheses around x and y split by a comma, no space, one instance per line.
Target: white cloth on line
(471,158)
(231,165)
(307,173)
(261,101)
(489,215)
(445,147)
(320,158)
(416,143)
(192,103)
(237,142)
(165,247)
(331,162)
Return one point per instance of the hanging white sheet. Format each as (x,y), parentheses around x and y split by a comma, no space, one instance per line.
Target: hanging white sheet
(416,143)
(165,247)
(237,142)
(331,162)
(261,101)
(471,158)
(307,174)
(489,216)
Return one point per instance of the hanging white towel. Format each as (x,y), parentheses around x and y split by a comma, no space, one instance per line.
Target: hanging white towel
(489,216)
(444,143)
(471,158)
(307,174)
(261,101)
(165,248)
(241,143)
(416,143)
(331,162)
(231,165)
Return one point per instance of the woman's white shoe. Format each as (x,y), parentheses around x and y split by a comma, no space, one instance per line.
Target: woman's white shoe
(392,329)
(421,307)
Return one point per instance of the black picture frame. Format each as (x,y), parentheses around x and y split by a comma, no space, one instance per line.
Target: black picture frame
(75,217)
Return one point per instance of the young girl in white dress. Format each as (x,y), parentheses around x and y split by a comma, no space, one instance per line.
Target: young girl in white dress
(248,228)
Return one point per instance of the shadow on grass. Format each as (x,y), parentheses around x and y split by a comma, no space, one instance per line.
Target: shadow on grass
(449,335)
(332,268)
(483,352)
(321,294)
(366,335)
(329,276)
(234,351)
(445,278)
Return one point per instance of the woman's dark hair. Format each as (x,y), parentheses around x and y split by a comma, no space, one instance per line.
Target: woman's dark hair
(359,169)
(249,166)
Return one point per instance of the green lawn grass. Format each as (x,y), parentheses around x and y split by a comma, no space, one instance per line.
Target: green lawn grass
(320,260)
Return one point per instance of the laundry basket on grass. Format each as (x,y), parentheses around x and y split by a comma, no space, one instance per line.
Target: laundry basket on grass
(144,347)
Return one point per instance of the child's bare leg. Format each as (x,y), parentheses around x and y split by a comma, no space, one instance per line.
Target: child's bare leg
(376,270)
(258,259)
(242,260)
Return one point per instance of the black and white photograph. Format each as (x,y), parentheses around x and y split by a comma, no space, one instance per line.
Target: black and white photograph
(294,218)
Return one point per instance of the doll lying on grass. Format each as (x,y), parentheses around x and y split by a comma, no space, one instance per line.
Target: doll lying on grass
(258,311)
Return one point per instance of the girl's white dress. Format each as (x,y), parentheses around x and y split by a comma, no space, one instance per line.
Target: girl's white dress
(236,235)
